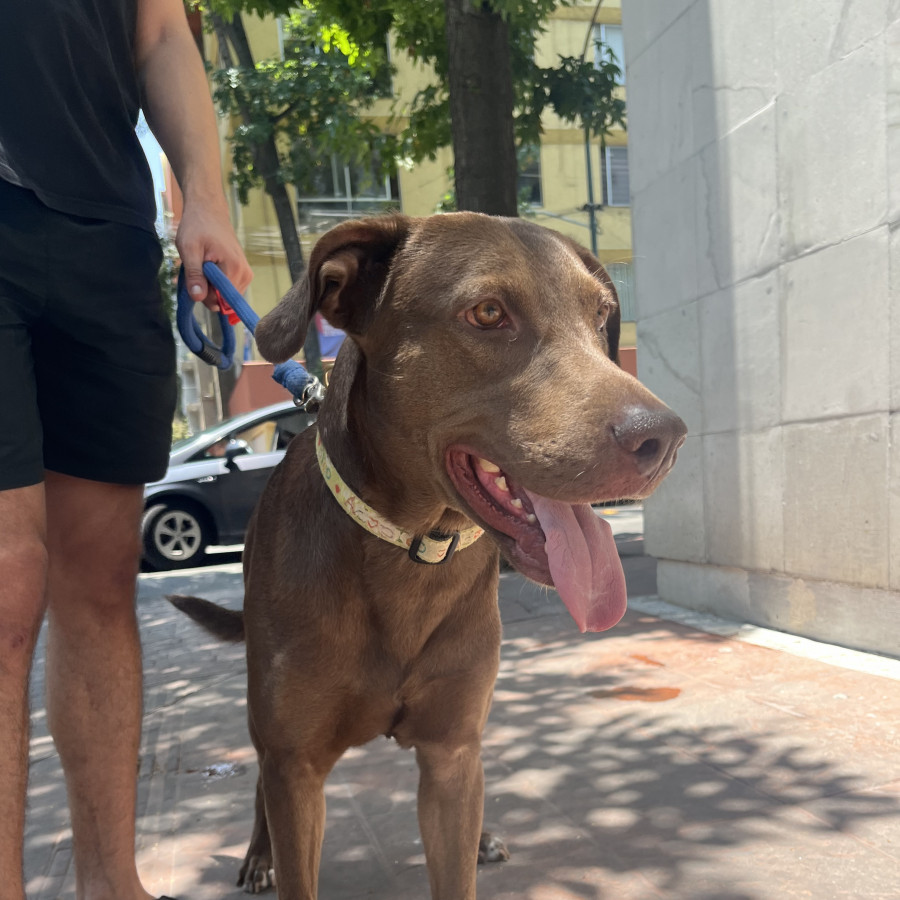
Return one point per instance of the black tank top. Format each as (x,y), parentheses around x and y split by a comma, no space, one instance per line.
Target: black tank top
(69,102)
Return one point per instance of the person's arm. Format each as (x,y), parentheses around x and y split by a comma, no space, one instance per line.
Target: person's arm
(180,113)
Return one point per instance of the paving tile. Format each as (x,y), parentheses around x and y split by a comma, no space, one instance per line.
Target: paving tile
(652,761)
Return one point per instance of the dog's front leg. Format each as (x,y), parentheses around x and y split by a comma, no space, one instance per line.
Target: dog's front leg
(451,806)
(294,790)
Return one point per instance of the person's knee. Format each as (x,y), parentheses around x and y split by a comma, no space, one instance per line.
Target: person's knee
(94,539)
(102,575)
(114,559)
(16,647)
(122,568)
(23,572)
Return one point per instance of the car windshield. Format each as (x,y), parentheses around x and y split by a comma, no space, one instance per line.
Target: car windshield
(197,438)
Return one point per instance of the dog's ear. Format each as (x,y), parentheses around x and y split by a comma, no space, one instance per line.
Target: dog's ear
(614,322)
(347,270)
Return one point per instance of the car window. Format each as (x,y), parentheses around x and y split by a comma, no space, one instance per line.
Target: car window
(215,451)
(290,425)
(259,437)
(271,434)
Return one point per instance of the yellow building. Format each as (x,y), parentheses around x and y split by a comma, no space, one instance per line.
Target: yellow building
(558,184)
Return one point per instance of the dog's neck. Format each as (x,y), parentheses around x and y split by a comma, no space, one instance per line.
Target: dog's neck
(433,548)
(365,446)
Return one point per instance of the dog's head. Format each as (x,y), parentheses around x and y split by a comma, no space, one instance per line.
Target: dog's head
(487,348)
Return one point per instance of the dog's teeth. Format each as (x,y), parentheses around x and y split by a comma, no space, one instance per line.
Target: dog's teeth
(515,503)
(501,483)
(532,518)
(488,466)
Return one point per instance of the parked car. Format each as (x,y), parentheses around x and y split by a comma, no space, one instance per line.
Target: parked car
(212,484)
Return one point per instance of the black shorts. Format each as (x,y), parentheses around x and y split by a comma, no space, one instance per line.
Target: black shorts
(87,354)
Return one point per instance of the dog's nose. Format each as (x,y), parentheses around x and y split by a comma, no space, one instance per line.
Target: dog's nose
(651,436)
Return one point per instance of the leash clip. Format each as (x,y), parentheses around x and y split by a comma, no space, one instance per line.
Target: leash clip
(435,536)
(306,389)
(312,396)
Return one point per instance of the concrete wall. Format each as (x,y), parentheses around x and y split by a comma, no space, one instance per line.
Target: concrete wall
(764,144)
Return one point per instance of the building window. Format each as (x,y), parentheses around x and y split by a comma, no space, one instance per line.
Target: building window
(528,186)
(614,165)
(622,276)
(341,191)
(611,37)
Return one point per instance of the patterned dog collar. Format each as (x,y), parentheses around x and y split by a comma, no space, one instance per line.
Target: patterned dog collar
(433,548)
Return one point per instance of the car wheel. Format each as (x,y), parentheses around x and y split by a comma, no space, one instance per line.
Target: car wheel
(175,535)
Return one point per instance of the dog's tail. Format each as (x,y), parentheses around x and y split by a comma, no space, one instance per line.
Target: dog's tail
(225,624)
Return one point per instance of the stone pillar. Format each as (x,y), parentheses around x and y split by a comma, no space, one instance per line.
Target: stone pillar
(764,148)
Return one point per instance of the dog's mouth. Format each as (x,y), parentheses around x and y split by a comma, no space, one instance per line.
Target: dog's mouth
(563,545)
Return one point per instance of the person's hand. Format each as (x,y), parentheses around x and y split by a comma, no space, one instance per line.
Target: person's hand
(205,235)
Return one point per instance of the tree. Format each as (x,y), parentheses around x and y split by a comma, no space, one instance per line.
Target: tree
(292,111)
(488,96)
(480,89)
(482,51)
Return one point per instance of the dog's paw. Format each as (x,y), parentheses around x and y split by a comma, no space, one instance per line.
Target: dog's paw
(257,874)
(491,849)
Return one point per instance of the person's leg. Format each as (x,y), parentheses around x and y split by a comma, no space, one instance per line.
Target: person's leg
(23,555)
(94,685)
(22,575)
(89,351)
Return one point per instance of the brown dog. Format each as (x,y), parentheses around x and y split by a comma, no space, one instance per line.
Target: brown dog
(479,390)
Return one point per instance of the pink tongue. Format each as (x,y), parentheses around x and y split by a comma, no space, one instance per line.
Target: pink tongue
(583,561)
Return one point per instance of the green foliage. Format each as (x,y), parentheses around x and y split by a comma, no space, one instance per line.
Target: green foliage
(309,102)
(582,91)
(336,65)
(574,89)
(448,203)
(228,8)
(181,429)
(167,275)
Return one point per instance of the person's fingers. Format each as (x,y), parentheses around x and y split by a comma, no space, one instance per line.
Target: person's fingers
(211,301)
(193,253)
(199,239)
(197,286)
(238,271)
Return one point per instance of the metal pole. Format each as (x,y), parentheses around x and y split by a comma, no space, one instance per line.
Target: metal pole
(591,208)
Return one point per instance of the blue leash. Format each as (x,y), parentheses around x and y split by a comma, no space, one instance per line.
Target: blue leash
(306,389)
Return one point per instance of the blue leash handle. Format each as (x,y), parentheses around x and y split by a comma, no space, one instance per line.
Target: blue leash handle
(190,330)
(306,388)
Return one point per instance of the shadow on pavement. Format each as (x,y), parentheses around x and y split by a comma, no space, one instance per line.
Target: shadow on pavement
(652,761)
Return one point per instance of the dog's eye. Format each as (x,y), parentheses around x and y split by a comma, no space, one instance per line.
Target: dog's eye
(602,316)
(487,314)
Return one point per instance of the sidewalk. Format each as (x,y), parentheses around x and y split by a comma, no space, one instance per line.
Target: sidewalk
(656,760)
